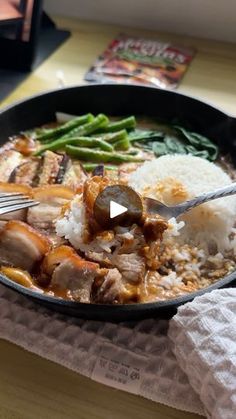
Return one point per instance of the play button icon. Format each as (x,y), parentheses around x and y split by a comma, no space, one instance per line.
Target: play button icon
(117,205)
(116,209)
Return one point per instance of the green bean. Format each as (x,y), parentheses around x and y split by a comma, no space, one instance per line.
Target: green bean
(89,167)
(141,135)
(88,154)
(100,121)
(122,144)
(127,123)
(65,128)
(61,143)
(112,137)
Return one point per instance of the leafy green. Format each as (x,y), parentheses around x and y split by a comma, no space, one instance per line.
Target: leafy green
(174,140)
(199,142)
(144,135)
(159,148)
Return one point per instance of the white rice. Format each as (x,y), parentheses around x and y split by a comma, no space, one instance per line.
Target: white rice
(176,178)
(171,280)
(72,225)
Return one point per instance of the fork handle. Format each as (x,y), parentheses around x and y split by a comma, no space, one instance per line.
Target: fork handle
(209,196)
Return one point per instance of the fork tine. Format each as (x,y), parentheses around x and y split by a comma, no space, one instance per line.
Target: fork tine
(15,201)
(12,198)
(7,194)
(16,206)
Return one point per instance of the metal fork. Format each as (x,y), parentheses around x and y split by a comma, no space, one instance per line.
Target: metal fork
(156,207)
(10,202)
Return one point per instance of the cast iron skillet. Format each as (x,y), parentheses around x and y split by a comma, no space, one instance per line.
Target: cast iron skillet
(119,100)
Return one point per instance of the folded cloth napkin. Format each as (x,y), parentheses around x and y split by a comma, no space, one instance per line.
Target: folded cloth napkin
(203,335)
(137,357)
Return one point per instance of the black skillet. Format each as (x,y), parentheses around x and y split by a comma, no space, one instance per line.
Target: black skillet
(120,100)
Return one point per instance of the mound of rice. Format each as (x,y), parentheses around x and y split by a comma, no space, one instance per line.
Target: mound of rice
(175,178)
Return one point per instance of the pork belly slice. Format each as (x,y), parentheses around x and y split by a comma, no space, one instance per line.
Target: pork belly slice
(21,246)
(12,188)
(52,198)
(9,160)
(70,272)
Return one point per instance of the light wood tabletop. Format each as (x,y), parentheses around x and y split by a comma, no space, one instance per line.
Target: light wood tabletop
(34,388)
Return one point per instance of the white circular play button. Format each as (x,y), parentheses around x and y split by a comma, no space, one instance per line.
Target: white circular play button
(116,209)
(117,205)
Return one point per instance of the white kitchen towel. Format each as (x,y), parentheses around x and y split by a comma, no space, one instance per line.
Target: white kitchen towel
(203,335)
(136,357)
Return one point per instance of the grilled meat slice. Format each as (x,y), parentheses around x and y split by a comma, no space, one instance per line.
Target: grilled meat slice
(21,246)
(131,266)
(9,160)
(50,168)
(108,289)
(12,188)
(112,289)
(74,176)
(70,272)
(51,198)
(26,173)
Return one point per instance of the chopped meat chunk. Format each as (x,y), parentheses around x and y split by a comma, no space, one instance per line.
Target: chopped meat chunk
(112,289)
(9,160)
(21,246)
(52,198)
(74,176)
(70,272)
(109,288)
(131,266)
(154,227)
(24,144)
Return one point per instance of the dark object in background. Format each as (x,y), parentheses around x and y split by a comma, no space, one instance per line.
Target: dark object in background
(27,37)
(19,32)
(120,100)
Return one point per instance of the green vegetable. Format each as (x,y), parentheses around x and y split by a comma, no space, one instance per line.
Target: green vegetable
(122,144)
(100,121)
(89,167)
(113,137)
(199,142)
(174,146)
(143,135)
(159,148)
(65,128)
(127,123)
(61,143)
(88,154)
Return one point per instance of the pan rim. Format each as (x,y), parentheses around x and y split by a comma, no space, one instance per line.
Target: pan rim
(117,308)
(98,85)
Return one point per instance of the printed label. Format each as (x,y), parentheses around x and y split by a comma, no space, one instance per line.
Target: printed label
(119,368)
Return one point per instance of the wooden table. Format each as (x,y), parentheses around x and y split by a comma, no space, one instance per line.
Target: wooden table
(31,387)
